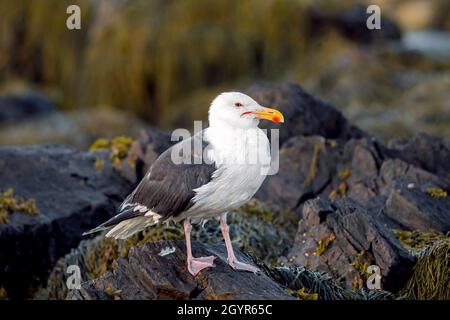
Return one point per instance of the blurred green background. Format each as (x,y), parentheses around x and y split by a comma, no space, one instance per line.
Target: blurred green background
(160,62)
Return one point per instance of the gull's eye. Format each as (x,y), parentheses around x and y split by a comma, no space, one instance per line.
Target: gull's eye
(238,104)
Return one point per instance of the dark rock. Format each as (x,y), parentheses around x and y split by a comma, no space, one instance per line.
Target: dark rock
(145,274)
(352,23)
(425,151)
(304,114)
(414,208)
(307,165)
(410,200)
(366,171)
(393,170)
(71,195)
(29,104)
(340,237)
(313,166)
(376,189)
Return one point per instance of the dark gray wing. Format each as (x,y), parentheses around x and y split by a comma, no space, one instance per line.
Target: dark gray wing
(168,188)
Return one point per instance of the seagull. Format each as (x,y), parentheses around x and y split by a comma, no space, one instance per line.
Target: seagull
(205,176)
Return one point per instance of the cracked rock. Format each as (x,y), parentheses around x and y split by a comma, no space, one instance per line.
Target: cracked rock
(145,274)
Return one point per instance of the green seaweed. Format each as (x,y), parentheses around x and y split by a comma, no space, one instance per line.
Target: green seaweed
(303,294)
(431,276)
(99,258)
(294,278)
(417,240)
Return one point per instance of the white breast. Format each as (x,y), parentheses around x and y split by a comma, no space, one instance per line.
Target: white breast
(243,160)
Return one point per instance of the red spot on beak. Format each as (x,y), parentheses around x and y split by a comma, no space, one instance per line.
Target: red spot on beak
(276,119)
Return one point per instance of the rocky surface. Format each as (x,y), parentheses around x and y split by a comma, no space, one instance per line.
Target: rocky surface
(343,238)
(148,274)
(25,105)
(71,194)
(366,170)
(352,23)
(366,191)
(264,231)
(425,151)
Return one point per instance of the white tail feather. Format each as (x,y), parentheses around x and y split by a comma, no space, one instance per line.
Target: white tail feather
(127,228)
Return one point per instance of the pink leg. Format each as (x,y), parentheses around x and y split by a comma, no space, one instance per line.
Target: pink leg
(235,264)
(195,265)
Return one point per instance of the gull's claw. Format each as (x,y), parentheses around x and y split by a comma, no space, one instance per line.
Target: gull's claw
(237,265)
(195,265)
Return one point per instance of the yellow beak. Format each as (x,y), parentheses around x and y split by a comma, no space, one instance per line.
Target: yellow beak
(269,114)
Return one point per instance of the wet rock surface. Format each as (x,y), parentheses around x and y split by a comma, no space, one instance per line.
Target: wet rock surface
(367,171)
(148,274)
(350,195)
(342,238)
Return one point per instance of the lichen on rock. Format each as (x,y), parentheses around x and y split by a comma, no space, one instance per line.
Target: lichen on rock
(10,203)
(361,263)
(437,192)
(319,147)
(324,243)
(118,147)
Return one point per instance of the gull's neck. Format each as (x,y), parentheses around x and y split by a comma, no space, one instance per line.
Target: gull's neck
(233,144)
